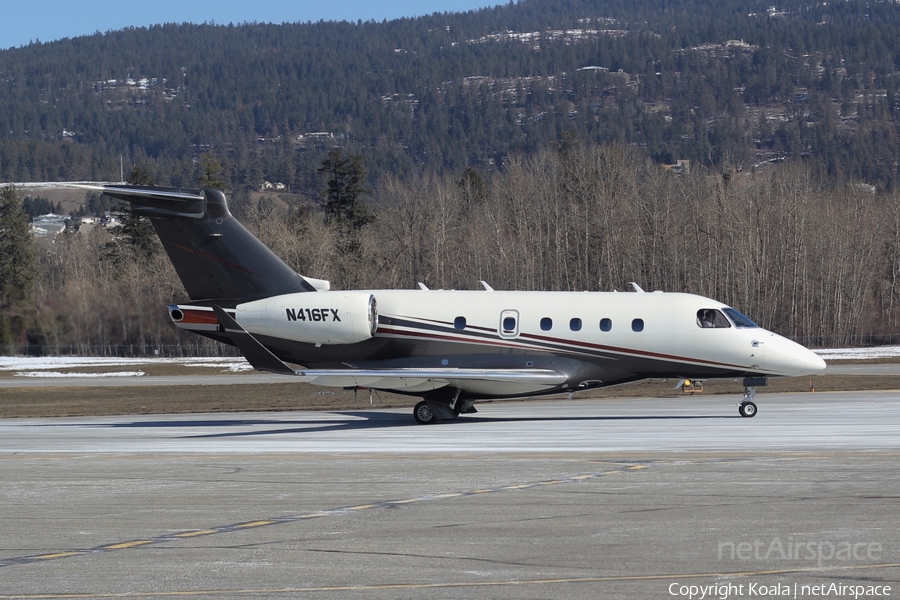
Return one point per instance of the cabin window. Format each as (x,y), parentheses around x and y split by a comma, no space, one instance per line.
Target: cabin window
(711,318)
(637,325)
(575,324)
(546,324)
(605,324)
(509,324)
(459,323)
(740,321)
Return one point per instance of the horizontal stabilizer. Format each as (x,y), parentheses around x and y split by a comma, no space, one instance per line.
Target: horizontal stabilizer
(158,201)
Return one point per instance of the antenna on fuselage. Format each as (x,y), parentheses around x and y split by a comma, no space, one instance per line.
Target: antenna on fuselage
(485,285)
(636,287)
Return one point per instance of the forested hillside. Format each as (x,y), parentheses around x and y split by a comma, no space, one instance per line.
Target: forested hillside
(820,264)
(522,145)
(728,81)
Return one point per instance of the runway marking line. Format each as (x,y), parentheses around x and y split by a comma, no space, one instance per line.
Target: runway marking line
(58,555)
(182,535)
(189,534)
(254,524)
(456,584)
(133,544)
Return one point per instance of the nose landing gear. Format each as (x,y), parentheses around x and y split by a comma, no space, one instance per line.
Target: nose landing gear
(748,407)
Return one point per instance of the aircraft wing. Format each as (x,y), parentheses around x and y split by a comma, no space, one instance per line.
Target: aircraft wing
(405,379)
(412,379)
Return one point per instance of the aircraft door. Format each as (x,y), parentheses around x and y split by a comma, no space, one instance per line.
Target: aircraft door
(509,324)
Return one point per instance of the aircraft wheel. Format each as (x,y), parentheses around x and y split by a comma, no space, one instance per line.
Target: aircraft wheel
(747,409)
(423,413)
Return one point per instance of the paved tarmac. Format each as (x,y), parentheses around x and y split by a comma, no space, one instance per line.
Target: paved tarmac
(636,498)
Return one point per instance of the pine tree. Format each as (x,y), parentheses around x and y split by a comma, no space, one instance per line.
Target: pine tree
(346,183)
(17,268)
(211,171)
(137,230)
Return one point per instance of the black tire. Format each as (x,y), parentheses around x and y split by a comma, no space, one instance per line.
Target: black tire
(747,409)
(423,413)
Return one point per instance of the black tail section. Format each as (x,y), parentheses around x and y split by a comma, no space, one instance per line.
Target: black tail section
(214,255)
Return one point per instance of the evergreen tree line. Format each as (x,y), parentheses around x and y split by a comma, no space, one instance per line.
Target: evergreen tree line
(450,91)
(814,261)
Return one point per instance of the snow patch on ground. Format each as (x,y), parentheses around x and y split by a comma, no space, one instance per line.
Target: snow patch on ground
(859,353)
(45,366)
(60,374)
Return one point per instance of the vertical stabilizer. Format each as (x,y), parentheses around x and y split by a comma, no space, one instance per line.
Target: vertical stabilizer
(215,256)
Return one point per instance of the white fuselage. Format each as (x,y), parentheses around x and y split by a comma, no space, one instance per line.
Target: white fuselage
(592,338)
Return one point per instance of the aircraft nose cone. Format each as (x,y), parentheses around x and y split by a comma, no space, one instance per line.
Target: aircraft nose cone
(803,361)
(793,360)
(813,363)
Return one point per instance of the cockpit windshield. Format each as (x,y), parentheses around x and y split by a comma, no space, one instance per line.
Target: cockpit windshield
(711,318)
(740,321)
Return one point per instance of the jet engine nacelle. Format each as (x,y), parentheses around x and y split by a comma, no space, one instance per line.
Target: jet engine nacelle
(312,317)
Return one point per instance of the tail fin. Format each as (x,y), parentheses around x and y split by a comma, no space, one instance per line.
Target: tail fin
(214,255)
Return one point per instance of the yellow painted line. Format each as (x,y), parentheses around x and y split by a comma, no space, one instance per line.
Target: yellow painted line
(361,507)
(313,515)
(439,496)
(635,467)
(128,544)
(583,477)
(188,534)
(58,555)
(481,491)
(406,501)
(253,524)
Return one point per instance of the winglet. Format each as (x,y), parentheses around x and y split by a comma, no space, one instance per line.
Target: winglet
(256,354)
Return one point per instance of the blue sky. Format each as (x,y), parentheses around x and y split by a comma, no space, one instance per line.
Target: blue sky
(24,21)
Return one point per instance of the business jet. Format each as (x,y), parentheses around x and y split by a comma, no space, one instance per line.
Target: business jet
(451,348)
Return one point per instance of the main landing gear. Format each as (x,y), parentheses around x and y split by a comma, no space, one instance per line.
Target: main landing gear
(423,413)
(442,404)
